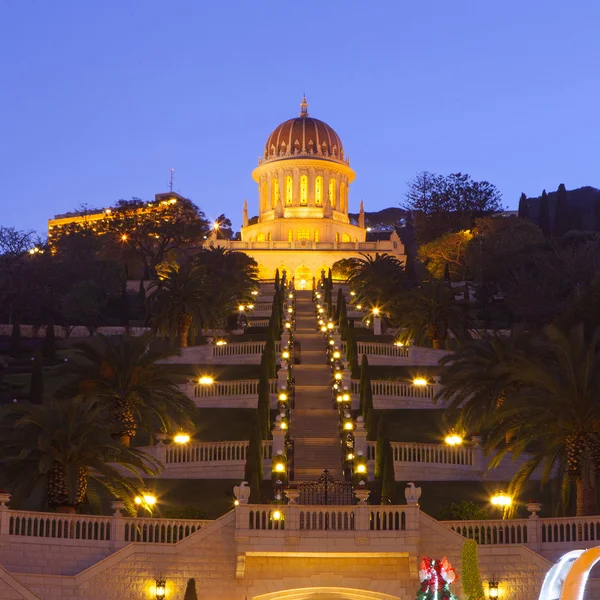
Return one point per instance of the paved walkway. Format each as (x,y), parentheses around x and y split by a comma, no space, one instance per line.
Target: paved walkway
(314,425)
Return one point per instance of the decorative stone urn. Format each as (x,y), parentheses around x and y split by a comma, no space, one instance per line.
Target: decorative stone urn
(534,508)
(292,495)
(4,499)
(362,495)
(117,505)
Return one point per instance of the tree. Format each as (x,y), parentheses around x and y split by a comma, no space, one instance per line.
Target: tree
(36,385)
(366,399)
(15,335)
(82,305)
(447,252)
(49,343)
(190,590)
(154,231)
(223,228)
(465,510)
(127,375)
(179,301)
(440,204)
(377,280)
(544,220)
(253,471)
(476,380)
(388,477)
(431,311)
(471,578)
(264,397)
(67,444)
(562,215)
(523,207)
(553,413)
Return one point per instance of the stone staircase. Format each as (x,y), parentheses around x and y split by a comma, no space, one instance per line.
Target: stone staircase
(314,424)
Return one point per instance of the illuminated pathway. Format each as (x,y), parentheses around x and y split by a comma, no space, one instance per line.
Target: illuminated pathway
(315,423)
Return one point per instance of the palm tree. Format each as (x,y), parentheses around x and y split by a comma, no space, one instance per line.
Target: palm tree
(181,298)
(377,280)
(126,373)
(553,412)
(475,380)
(431,311)
(66,444)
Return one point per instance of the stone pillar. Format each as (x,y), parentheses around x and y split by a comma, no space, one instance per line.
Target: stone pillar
(376,325)
(360,438)
(117,527)
(278,440)
(4,519)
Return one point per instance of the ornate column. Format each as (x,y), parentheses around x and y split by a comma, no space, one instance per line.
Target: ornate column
(269,198)
(296,187)
(311,186)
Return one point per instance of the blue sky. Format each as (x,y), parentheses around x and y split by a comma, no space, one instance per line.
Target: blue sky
(99,99)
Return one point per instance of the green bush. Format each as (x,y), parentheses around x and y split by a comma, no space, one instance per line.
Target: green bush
(471,578)
(465,510)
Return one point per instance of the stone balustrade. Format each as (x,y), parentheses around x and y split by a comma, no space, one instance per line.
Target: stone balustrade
(206,460)
(390,394)
(381,353)
(549,537)
(238,348)
(238,393)
(258,322)
(84,530)
(438,454)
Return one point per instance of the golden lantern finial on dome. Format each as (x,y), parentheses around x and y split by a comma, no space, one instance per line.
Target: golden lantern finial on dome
(304,107)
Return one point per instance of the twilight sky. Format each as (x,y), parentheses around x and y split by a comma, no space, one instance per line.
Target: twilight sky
(99,99)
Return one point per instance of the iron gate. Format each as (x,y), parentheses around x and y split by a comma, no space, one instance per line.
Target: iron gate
(325,491)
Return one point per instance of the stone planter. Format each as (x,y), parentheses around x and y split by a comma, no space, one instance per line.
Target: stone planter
(292,495)
(362,495)
(534,508)
(4,499)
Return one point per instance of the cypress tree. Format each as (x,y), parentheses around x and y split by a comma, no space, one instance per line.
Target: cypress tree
(351,352)
(342,319)
(338,304)
(36,385)
(597,212)
(366,398)
(49,343)
(190,589)
(471,578)
(561,212)
(388,477)
(523,207)
(15,336)
(382,438)
(264,399)
(277,279)
(253,471)
(544,221)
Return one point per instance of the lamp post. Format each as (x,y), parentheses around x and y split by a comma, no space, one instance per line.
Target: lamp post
(161,585)
(493,587)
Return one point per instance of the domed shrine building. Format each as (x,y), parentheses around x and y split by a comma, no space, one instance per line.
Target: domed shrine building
(304,180)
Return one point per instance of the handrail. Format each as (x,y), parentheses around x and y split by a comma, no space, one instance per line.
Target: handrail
(414,452)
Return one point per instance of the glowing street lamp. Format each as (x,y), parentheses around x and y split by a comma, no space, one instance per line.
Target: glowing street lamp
(181,438)
(361,469)
(376,312)
(348,426)
(453,439)
(283,397)
(206,380)
(241,308)
(285,354)
(160,589)
(420,381)
(501,500)
(338,376)
(280,467)
(336,354)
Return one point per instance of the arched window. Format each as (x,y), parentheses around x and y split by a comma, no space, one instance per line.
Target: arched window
(290,235)
(304,234)
(316,235)
(332,192)
(289,184)
(337,237)
(318,190)
(304,190)
(274,192)
(342,196)
(345,237)
(260,237)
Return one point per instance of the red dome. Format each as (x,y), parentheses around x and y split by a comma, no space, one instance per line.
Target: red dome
(304,136)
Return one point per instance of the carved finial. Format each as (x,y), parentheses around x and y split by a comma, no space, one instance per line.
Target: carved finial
(304,107)
(245,214)
(361,215)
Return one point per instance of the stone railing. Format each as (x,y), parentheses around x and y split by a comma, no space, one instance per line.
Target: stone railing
(379,349)
(237,348)
(203,452)
(389,394)
(542,535)
(331,519)
(206,460)
(117,530)
(222,389)
(258,322)
(433,454)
